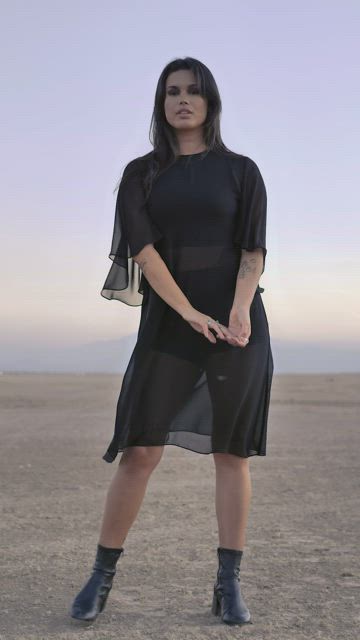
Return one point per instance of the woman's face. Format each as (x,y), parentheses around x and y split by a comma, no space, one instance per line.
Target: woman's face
(182,93)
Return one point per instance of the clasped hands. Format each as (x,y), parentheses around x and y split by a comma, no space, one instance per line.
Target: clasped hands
(237,333)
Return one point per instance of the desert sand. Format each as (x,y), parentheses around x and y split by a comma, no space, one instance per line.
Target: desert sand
(300,570)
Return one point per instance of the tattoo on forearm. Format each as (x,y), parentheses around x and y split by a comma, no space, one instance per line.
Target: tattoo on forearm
(245,267)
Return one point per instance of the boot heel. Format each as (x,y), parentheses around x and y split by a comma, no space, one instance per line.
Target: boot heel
(103,602)
(215,609)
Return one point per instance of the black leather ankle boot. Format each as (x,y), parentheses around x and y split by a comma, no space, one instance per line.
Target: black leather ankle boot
(227,600)
(92,598)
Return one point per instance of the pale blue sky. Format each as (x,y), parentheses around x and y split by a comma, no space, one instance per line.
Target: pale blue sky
(78,85)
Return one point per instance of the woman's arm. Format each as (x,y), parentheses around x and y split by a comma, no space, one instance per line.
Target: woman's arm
(250,270)
(159,277)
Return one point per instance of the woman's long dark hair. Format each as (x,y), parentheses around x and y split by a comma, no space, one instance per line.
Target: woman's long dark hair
(162,135)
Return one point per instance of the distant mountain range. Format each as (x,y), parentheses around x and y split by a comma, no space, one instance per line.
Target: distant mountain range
(112,356)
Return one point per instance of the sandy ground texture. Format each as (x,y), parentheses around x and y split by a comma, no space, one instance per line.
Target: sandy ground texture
(300,569)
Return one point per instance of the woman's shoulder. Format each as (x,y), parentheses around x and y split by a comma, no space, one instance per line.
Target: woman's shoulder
(136,165)
(240,160)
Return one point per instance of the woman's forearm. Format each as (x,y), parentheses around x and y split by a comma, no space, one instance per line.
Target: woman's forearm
(159,277)
(248,277)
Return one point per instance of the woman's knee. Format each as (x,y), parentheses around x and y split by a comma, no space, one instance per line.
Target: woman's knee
(229,461)
(142,459)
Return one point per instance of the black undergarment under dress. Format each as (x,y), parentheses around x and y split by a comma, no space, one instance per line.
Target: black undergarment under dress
(178,388)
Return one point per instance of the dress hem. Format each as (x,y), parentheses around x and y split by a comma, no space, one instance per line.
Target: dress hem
(108,457)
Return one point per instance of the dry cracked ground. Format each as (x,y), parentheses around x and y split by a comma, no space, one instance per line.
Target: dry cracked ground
(300,568)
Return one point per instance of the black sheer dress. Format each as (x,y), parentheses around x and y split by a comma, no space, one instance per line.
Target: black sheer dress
(179,388)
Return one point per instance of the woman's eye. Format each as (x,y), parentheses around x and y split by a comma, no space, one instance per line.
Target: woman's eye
(172,92)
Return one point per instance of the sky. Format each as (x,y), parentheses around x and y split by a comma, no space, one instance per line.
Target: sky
(78,87)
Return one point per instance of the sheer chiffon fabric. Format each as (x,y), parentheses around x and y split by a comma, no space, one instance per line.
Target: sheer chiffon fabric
(179,388)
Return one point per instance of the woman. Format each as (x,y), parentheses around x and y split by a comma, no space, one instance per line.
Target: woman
(189,246)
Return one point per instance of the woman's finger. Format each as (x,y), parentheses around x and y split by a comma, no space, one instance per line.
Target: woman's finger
(218,328)
(208,334)
(240,340)
(229,337)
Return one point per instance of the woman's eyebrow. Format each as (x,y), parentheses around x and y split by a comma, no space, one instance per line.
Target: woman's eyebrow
(193,84)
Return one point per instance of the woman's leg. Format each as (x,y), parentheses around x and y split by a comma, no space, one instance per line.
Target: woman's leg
(232,498)
(126,493)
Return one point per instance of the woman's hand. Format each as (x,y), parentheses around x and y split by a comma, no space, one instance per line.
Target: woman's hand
(239,326)
(235,334)
(199,322)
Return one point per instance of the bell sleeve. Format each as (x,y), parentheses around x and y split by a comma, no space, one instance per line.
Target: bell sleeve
(250,231)
(133,229)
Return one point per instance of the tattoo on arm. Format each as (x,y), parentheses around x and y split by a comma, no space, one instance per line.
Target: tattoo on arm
(245,267)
